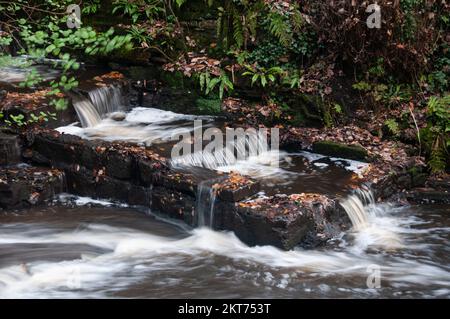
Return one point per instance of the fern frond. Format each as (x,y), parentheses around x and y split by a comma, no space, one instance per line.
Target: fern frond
(238,34)
(280,29)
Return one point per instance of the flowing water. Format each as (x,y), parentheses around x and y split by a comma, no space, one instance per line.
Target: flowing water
(17,69)
(206,198)
(82,251)
(278,171)
(100,102)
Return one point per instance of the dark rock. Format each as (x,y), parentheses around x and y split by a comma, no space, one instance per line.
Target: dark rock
(139,195)
(174,204)
(334,149)
(428,195)
(284,221)
(241,193)
(146,171)
(80,181)
(182,182)
(404,181)
(9,149)
(23,187)
(419,179)
(118,165)
(110,188)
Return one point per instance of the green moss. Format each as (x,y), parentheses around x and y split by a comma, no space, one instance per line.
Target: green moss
(209,106)
(330,148)
(174,80)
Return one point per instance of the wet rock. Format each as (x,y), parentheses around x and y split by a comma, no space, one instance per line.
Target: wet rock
(146,171)
(118,116)
(9,149)
(235,188)
(174,204)
(118,165)
(80,181)
(183,182)
(111,188)
(139,195)
(335,149)
(25,186)
(285,221)
(135,175)
(428,195)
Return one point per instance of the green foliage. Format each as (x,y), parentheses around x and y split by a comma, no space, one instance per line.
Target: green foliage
(362,86)
(280,28)
(267,53)
(439,112)
(19,120)
(46,35)
(262,75)
(437,133)
(9,61)
(393,126)
(209,106)
(222,82)
(91,6)
(59,104)
(141,10)
(33,78)
(293,78)
(387,95)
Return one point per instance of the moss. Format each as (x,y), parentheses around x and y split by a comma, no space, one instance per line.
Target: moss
(340,150)
(174,80)
(418,177)
(209,106)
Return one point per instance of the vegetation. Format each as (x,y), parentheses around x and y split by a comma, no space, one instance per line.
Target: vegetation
(287,51)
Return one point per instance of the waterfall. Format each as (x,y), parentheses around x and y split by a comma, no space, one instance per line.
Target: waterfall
(371,222)
(100,101)
(355,206)
(252,148)
(204,206)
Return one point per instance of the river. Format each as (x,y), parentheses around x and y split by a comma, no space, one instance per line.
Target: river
(85,251)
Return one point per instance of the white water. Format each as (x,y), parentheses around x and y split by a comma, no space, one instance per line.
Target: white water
(141,125)
(128,256)
(205,201)
(370,224)
(20,67)
(101,101)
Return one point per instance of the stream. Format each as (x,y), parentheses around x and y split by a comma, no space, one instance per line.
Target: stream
(108,252)
(84,248)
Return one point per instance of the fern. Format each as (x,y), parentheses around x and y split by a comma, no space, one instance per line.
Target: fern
(392,126)
(438,156)
(238,34)
(280,29)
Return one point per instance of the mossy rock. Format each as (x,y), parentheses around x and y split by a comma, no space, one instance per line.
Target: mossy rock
(174,80)
(209,106)
(334,149)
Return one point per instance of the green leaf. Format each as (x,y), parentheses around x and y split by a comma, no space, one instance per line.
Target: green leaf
(50,48)
(255,78)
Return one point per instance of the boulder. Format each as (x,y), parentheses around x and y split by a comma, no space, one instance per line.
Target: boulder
(335,149)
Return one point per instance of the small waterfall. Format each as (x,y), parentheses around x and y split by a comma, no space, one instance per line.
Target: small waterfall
(204,207)
(253,147)
(99,102)
(355,206)
(371,222)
